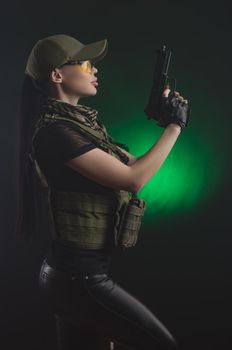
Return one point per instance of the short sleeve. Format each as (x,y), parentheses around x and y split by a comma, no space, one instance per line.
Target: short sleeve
(61,142)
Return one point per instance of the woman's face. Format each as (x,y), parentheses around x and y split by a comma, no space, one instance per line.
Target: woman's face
(76,80)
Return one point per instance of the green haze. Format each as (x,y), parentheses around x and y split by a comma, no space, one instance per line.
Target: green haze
(194,168)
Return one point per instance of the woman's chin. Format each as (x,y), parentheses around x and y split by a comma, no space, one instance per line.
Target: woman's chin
(95,89)
(90,93)
(93,92)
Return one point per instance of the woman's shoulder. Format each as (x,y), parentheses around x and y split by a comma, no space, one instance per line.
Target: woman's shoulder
(61,140)
(58,131)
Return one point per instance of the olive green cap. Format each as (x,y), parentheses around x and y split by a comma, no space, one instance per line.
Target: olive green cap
(52,51)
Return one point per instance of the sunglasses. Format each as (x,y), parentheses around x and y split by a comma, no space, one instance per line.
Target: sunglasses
(80,65)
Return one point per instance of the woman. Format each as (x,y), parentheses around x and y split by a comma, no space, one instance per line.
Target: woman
(89,306)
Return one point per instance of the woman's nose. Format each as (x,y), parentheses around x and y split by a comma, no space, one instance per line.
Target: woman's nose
(95,70)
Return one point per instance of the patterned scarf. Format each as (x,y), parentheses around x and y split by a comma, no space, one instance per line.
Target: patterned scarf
(84,114)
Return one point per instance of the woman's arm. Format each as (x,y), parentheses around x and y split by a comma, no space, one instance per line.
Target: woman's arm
(150,162)
(107,170)
(132,158)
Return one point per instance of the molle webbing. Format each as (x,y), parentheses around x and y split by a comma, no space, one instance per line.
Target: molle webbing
(84,220)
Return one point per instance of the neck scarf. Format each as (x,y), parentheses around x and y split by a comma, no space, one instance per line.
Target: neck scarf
(83,114)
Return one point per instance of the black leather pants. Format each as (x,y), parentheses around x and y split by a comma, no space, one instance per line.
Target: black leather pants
(87,307)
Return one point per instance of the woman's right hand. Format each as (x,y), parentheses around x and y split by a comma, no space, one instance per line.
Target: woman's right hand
(175,109)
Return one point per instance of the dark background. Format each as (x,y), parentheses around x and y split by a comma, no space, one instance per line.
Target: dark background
(182,270)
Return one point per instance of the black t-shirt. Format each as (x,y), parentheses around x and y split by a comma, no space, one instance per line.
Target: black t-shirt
(54,145)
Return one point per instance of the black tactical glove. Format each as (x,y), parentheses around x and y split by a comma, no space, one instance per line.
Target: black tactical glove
(175,109)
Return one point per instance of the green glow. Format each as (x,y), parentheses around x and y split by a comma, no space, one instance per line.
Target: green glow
(187,178)
(195,166)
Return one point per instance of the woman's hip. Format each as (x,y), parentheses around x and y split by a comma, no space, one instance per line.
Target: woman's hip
(99,302)
(62,288)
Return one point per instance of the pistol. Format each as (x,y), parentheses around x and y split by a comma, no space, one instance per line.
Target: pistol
(160,81)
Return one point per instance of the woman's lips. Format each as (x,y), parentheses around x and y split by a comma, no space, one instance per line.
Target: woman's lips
(95,83)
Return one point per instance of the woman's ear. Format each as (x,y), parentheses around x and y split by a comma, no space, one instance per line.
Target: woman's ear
(56,75)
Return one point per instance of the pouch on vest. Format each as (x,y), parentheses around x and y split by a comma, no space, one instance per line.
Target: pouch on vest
(129,222)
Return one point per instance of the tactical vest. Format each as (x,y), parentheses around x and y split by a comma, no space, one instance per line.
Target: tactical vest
(90,220)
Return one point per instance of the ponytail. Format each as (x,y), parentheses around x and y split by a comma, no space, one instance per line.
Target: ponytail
(27,183)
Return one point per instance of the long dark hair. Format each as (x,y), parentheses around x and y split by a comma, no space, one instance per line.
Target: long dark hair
(27,182)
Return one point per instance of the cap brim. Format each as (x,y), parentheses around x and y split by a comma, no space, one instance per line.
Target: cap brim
(93,51)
